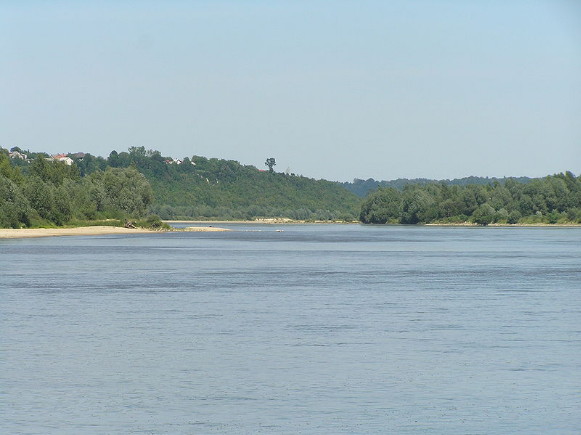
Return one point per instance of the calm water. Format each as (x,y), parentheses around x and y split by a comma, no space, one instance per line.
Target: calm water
(316,329)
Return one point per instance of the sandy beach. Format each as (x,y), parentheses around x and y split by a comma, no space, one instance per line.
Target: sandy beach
(204,229)
(10,233)
(23,233)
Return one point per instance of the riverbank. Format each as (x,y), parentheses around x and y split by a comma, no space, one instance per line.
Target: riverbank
(24,233)
(437,224)
(257,221)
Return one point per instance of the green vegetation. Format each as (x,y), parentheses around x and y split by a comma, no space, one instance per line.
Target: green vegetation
(48,193)
(362,188)
(550,200)
(129,185)
(201,188)
(140,187)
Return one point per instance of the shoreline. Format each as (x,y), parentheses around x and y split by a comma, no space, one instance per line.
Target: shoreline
(97,230)
(256,221)
(279,221)
(26,233)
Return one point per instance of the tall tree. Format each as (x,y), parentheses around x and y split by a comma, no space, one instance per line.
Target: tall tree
(271,163)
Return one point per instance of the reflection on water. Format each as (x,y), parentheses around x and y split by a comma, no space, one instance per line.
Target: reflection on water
(313,329)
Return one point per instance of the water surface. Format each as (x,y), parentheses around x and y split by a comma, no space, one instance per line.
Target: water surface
(312,329)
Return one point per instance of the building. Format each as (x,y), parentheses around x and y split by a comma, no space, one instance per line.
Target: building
(63,158)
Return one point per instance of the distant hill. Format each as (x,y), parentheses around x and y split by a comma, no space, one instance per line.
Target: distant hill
(362,188)
(198,187)
(37,189)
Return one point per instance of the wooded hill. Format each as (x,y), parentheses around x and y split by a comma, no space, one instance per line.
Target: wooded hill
(36,189)
(47,192)
(201,188)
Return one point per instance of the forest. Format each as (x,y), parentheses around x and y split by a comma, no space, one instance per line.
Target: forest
(39,190)
(362,188)
(51,193)
(550,200)
(201,188)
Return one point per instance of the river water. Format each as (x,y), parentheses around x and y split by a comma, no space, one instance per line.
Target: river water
(293,329)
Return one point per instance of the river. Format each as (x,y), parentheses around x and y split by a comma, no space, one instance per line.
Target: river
(293,329)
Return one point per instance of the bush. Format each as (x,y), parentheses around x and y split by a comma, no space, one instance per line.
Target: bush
(484,215)
(153,222)
(513,217)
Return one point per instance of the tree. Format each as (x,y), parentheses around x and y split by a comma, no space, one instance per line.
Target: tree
(484,215)
(271,163)
(418,206)
(382,206)
(14,207)
(126,190)
(53,172)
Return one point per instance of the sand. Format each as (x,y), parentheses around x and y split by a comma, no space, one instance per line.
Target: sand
(205,229)
(9,233)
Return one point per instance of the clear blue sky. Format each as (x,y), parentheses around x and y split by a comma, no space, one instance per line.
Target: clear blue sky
(331,89)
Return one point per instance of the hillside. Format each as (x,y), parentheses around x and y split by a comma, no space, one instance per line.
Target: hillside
(138,182)
(226,189)
(201,188)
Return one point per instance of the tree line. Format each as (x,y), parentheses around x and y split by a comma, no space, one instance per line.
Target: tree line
(46,192)
(195,187)
(363,187)
(553,199)
(198,187)
(130,184)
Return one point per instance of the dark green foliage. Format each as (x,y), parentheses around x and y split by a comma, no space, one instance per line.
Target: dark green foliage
(124,189)
(89,164)
(204,188)
(383,206)
(15,210)
(553,199)
(8,170)
(364,187)
(153,222)
(418,206)
(135,182)
(45,192)
(484,214)
(271,163)
(53,172)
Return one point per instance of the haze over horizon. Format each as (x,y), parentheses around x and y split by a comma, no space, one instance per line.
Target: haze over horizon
(336,90)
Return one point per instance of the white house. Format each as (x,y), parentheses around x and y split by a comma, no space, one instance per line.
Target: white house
(63,158)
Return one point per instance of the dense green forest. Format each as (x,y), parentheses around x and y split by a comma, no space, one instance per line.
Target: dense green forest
(192,188)
(47,192)
(37,190)
(362,188)
(553,199)
(198,187)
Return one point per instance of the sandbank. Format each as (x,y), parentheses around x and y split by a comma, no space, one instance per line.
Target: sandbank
(10,233)
(205,229)
(24,233)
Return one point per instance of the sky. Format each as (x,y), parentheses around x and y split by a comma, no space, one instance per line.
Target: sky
(337,89)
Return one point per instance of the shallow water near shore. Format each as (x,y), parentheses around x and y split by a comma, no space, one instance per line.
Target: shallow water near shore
(293,329)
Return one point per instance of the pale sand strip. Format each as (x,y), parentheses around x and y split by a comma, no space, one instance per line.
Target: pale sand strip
(9,233)
(205,229)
